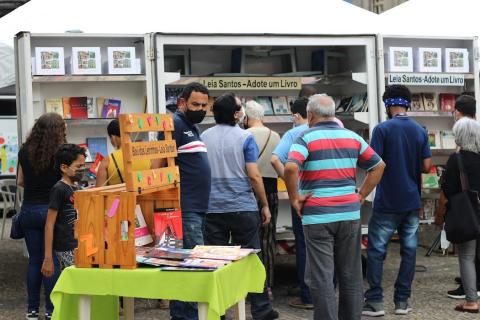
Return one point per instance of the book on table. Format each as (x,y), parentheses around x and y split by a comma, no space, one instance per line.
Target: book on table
(168,227)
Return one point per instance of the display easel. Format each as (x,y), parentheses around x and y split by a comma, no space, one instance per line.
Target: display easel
(106,216)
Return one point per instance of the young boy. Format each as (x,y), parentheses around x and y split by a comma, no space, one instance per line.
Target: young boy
(70,161)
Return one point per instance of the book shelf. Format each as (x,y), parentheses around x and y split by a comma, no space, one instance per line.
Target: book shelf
(336,65)
(436,83)
(135,91)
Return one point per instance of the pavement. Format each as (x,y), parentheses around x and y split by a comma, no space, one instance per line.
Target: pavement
(429,300)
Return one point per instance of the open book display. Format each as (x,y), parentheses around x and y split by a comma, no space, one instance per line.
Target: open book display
(201,258)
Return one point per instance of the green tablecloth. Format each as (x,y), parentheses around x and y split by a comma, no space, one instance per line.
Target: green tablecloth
(220,289)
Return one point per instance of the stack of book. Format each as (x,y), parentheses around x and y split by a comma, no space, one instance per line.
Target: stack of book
(200,258)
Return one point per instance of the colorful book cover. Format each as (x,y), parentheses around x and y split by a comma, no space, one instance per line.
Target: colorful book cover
(96,164)
(204,263)
(447,102)
(99,102)
(169,253)
(54,105)
(434,139)
(97,145)
(216,252)
(417,102)
(280,105)
(111,108)
(168,227)
(67,114)
(142,235)
(88,158)
(448,140)
(78,107)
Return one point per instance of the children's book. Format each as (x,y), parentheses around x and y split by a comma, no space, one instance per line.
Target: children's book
(168,227)
(111,108)
(97,145)
(142,235)
(78,107)
(54,105)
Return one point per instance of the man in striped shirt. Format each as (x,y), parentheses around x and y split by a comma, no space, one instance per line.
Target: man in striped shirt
(320,178)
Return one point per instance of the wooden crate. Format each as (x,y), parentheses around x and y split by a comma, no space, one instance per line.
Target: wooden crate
(105,228)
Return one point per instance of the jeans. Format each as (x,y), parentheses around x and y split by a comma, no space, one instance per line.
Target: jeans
(300,257)
(32,220)
(243,228)
(335,246)
(467,253)
(192,225)
(381,227)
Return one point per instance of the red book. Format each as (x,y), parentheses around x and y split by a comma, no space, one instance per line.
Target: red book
(447,102)
(78,107)
(168,227)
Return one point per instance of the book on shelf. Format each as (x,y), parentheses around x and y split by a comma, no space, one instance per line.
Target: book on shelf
(78,108)
(99,104)
(456,60)
(49,61)
(280,105)
(111,108)
(168,227)
(434,139)
(266,103)
(91,108)
(400,59)
(86,60)
(290,101)
(447,101)
(142,234)
(88,158)
(429,101)
(448,139)
(417,102)
(67,114)
(429,60)
(54,105)
(97,145)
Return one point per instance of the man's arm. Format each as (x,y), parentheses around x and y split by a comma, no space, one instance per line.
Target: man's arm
(257,184)
(427,165)
(372,178)
(47,267)
(102,173)
(278,166)
(291,181)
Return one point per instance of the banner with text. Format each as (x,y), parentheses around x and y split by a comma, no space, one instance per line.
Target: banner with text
(247,83)
(426,79)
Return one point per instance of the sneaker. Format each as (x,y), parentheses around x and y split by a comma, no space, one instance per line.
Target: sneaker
(402,308)
(458,293)
(458,280)
(273,314)
(32,315)
(299,304)
(373,309)
(48,315)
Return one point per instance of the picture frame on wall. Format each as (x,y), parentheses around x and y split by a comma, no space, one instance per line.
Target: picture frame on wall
(456,60)
(122,60)
(86,60)
(429,60)
(49,61)
(400,59)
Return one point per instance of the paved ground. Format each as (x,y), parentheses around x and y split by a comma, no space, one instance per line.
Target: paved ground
(429,300)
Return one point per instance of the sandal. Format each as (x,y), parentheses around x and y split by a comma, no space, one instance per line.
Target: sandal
(461,308)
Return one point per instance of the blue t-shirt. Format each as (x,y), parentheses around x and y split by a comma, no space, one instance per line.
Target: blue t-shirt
(403,145)
(283,147)
(192,160)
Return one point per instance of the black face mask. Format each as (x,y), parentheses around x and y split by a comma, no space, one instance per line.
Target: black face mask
(195,116)
(78,176)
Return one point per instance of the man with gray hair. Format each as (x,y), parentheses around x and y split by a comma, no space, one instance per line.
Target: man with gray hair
(320,178)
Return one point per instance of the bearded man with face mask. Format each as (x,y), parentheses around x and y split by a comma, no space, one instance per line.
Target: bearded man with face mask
(195,176)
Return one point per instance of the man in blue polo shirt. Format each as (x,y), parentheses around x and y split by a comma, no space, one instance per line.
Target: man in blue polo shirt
(403,145)
(195,176)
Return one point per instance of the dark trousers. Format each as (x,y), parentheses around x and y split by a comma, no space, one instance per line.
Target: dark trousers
(335,248)
(268,239)
(243,229)
(300,257)
(32,219)
(192,227)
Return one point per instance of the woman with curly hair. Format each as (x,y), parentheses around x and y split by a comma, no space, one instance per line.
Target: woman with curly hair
(37,175)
